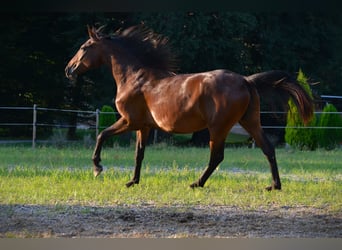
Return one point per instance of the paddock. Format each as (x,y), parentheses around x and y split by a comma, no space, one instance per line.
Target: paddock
(51,193)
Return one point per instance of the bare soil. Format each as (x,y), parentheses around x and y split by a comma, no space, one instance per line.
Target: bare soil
(167,222)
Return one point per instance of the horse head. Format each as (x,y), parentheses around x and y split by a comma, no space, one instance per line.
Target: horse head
(87,57)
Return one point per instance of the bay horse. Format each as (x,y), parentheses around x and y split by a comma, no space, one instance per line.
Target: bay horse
(150,95)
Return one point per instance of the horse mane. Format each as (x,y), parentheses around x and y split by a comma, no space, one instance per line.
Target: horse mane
(151,49)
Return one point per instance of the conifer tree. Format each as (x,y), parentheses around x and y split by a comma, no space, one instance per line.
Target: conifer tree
(296,134)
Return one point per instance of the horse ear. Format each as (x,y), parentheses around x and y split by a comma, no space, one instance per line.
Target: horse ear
(92,33)
(100,29)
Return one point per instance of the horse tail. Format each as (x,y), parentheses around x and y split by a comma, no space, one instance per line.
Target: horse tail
(280,86)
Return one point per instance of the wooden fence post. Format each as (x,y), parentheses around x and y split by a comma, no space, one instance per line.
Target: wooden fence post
(34,126)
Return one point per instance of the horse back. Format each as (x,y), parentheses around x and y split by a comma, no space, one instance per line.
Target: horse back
(190,102)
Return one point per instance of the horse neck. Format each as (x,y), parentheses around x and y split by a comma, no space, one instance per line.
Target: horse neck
(135,75)
(124,67)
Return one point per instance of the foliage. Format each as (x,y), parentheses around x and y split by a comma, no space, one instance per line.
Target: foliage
(206,41)
(329,138)
(106,119)
(37,46)
(296,134)
(40,44)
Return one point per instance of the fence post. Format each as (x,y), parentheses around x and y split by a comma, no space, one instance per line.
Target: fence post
(97,121)
(34,126)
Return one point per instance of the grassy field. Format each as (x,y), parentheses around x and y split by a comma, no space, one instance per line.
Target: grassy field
(52,176)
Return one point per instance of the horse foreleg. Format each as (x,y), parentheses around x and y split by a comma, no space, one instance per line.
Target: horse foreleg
(120,126)
(142,136)
(216,157)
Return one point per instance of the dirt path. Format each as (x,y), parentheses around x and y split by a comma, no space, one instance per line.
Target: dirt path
(167,222)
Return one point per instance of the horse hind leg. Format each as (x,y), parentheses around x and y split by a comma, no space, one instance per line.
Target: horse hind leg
(251,122)
(216,144)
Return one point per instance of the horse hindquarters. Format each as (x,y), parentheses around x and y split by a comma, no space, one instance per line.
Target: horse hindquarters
(228,108)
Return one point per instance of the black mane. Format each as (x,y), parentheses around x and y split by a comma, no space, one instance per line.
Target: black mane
(151,49)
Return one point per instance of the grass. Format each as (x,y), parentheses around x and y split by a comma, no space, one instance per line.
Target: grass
(51,176)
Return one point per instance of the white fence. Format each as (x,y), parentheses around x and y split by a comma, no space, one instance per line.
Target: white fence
(92,118)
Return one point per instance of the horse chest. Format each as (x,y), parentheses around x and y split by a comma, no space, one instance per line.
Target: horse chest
(127,101)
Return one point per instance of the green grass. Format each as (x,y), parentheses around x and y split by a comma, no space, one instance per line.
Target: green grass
(51,176)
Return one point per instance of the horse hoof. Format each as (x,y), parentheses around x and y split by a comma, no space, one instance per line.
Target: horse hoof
(97,171)
(131,183)
(270,188)
(195,185)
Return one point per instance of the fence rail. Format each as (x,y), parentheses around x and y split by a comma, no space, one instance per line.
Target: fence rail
(94,117)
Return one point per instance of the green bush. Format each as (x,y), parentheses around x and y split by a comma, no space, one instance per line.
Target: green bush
(329,138)
(106,119)
(300,137)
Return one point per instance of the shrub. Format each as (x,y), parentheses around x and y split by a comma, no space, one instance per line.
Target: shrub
(329,138)
(296,134)
(106,119)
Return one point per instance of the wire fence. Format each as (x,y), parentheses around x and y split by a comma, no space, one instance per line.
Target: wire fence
(31,119)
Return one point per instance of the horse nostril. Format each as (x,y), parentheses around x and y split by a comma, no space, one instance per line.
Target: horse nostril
(67,71)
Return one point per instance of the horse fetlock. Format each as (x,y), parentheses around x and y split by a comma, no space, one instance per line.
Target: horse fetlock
(96,160)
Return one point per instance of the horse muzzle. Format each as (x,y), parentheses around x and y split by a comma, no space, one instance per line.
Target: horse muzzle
(70,72)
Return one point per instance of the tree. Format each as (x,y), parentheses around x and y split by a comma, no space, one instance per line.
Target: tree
(311,41)
(206,40)
(296,134)
(37,46)
(330,123)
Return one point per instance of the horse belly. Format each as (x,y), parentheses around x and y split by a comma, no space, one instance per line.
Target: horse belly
(175,105)
(179,122)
